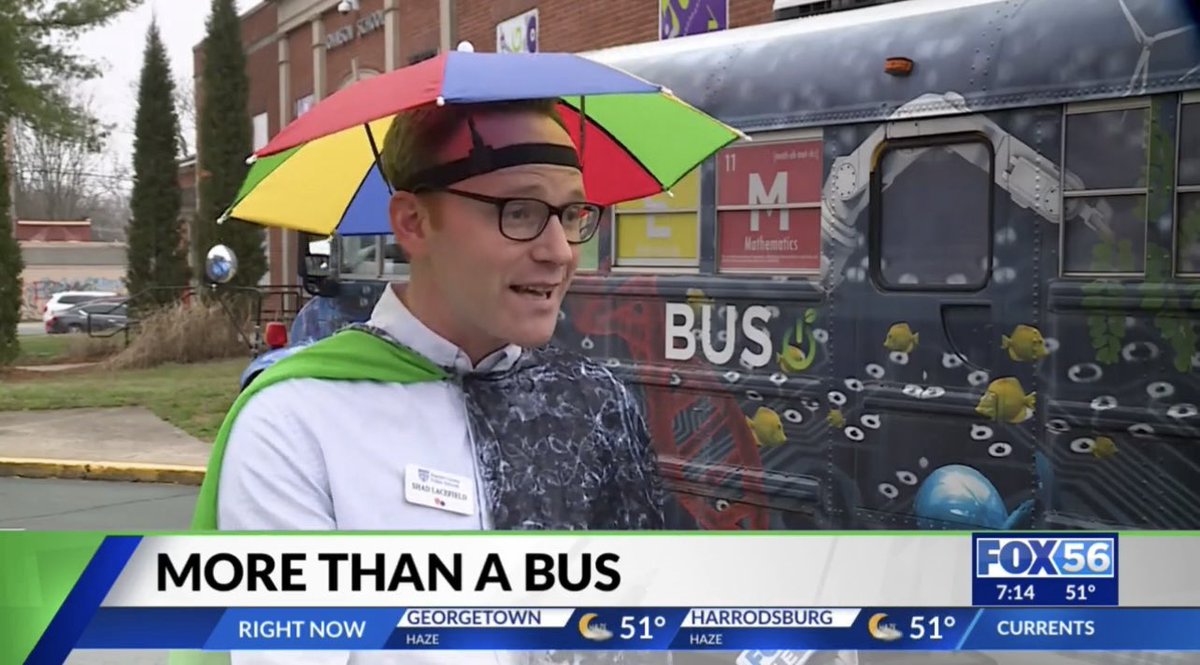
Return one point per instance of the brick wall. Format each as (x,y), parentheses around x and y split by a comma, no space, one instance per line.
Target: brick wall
(573,26)
(419,31)
(369,49)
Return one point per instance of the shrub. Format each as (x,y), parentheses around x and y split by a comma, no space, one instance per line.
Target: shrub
(192,332)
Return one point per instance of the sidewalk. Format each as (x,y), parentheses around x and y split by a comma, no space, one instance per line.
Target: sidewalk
(126,443)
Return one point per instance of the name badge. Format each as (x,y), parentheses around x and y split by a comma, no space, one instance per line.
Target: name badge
(437,489)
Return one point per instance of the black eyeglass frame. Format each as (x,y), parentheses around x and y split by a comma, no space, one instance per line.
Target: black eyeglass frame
(502,202)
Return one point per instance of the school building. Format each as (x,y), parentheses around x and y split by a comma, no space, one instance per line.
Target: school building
(300,51)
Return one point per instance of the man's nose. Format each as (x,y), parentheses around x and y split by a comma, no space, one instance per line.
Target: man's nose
(552,245)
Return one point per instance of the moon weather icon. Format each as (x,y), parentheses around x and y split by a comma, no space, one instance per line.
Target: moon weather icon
(882,631)
(597,633)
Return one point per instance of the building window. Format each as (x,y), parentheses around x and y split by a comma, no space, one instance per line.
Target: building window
(932,203)
(661,230)
(1104,189)
(1187,229)
(303,104)
(769,205)
(261,135)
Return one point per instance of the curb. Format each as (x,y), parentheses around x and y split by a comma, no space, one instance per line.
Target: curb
(179,474)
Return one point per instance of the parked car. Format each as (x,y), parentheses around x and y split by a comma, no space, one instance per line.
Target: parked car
(64,300)
(94,316)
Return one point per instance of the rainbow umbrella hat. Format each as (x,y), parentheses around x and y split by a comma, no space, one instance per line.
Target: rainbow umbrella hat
(321,175)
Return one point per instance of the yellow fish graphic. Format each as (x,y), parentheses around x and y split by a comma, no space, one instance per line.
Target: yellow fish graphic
(697,299)
(900,337)
(767,427)
(1006,401)
(836,419)
(1104,448)
(1026,344)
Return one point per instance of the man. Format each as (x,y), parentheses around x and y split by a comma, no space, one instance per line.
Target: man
(489,206)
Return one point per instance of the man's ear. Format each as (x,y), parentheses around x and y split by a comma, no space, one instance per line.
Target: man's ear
(409,220)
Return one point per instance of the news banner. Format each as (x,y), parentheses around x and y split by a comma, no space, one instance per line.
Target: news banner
(690,591)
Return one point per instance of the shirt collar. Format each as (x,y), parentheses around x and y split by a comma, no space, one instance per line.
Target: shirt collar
(394,318)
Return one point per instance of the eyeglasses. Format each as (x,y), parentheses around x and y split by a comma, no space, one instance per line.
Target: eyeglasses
(524,219)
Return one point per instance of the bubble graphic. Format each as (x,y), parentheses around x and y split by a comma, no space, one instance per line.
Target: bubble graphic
(1181,411)
(933,392)
(1058,425)
(889,490)
(1141,429)
(981,432)
(978,378)
(951,361)
(1160,390)
(1139,351)
(793,416)
(1085,373)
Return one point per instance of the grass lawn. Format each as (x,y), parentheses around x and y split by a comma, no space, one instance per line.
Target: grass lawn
(194,397)
(73,348)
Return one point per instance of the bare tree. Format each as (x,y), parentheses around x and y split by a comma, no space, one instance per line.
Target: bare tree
(71,177)
(56,175)
(185,106)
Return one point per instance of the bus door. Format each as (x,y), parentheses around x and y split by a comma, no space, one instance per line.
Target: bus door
(932,412)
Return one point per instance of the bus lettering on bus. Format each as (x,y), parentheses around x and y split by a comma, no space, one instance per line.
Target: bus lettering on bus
(756,350)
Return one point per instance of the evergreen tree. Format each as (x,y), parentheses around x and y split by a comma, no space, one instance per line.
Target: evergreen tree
(35,60)
(156,255)
(224,142)
(11,265)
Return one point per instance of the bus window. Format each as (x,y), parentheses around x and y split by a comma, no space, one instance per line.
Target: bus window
(1188,209)
(661,230)
(934,215)
(1104,193)
(359,255)
(395,261)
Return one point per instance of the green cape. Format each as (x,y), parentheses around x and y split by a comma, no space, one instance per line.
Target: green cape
(350,355)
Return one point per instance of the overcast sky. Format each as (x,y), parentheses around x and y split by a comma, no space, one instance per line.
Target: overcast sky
(118,47)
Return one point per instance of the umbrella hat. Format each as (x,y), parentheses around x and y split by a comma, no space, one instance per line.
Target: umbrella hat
(634,138)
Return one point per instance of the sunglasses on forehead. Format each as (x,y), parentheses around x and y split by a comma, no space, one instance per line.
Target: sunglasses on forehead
(519,218)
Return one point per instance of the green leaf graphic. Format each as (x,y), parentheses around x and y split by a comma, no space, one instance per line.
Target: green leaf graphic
(37,572)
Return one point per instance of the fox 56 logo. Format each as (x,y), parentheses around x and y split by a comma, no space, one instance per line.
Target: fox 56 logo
(1026,557)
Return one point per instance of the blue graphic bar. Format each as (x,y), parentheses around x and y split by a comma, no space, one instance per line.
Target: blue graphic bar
(648,629)
(1044,569)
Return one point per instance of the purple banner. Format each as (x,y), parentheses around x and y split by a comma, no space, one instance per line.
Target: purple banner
(680,18)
